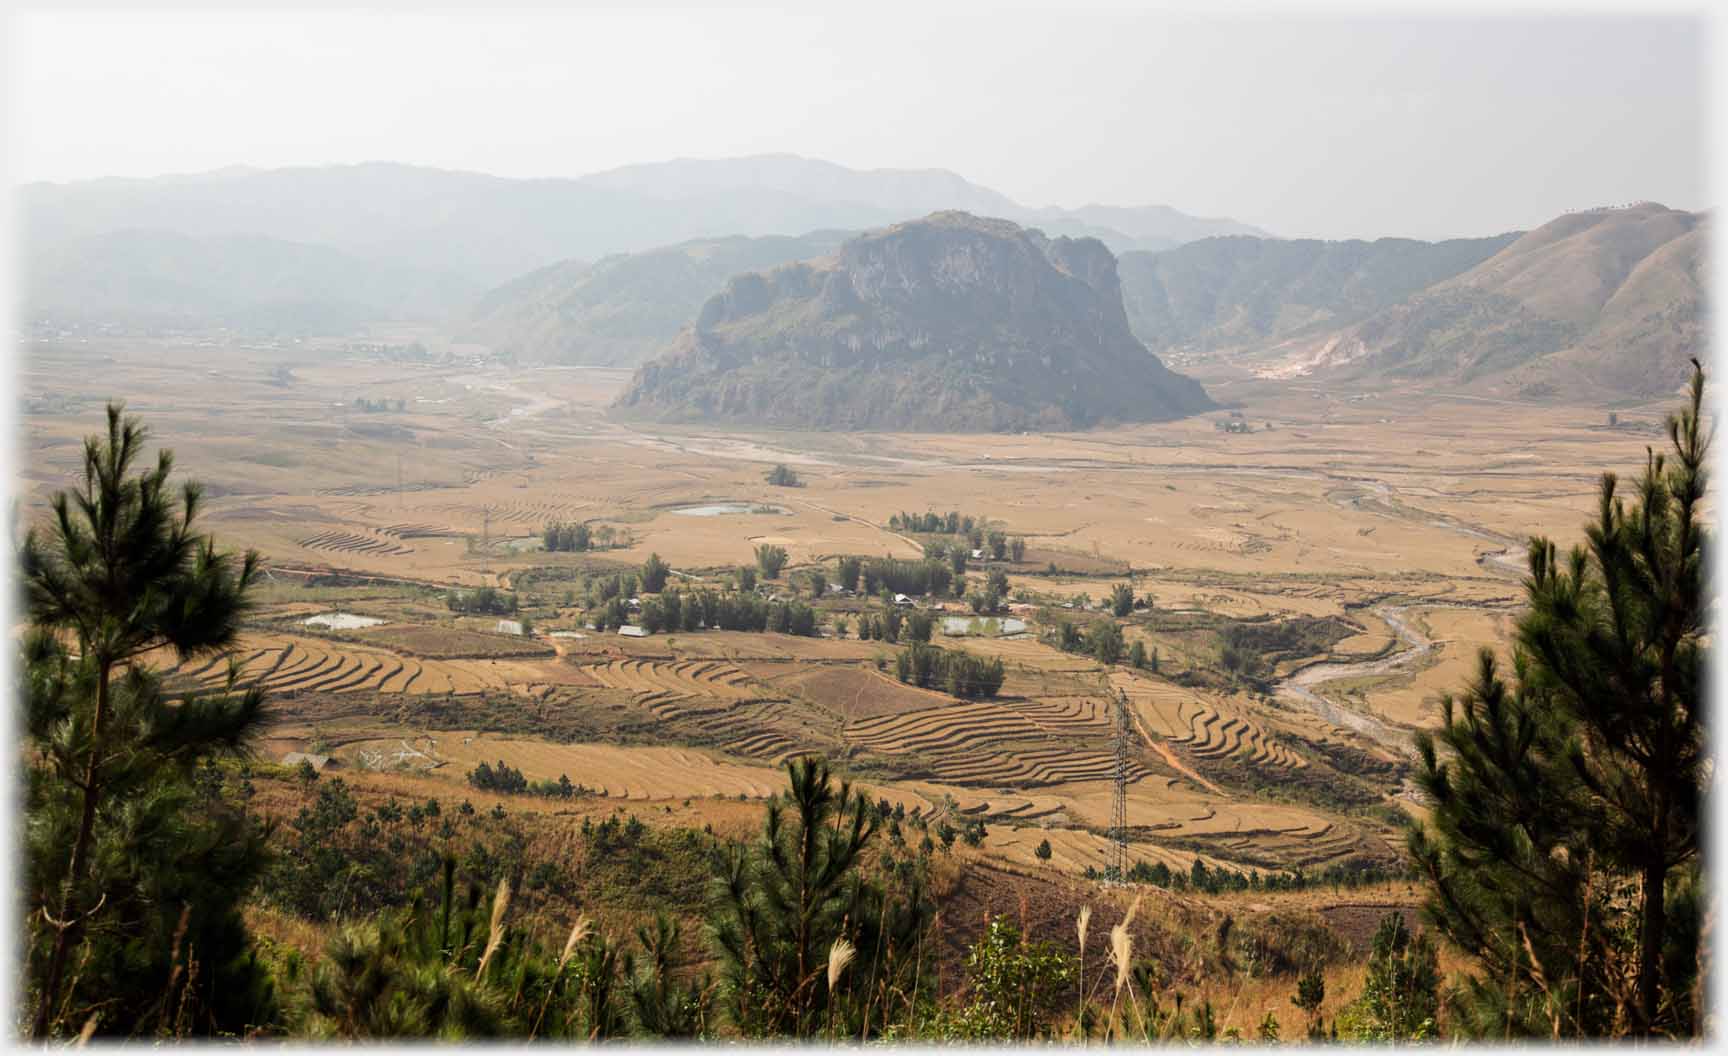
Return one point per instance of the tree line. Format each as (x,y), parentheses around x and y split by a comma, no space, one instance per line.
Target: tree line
(502,777)
(956,671)
(696,610)
(484,601)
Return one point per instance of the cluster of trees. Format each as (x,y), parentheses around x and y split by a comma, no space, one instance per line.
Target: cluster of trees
(951,523)
(995,591)
(927,577)
(970,534)
(1252,648)
(782,476)
(956,671)
(770,558)
(483,601)
(654,574)
(1218,879)
(558,536)
(695,610)
(1102,640)
(376,406)
(892,625)
(847,572)
(1141,658)
(507,779)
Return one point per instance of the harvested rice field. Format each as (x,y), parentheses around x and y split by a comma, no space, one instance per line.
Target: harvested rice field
(1290,758)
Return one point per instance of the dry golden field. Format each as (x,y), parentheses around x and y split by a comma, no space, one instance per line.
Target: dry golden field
(1399,521)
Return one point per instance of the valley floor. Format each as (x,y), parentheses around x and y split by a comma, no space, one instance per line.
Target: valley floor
(1387,530)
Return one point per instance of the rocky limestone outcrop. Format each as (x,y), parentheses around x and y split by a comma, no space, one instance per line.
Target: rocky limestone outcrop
(949,323)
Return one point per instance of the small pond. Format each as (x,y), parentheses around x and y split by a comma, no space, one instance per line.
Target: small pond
(721,509)
(341,621)
(986,626)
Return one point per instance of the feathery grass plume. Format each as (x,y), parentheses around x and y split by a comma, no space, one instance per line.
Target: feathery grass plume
(1122,944)
(578,932)
(1122,955)
(500,906)
(839,956)
(1081,923)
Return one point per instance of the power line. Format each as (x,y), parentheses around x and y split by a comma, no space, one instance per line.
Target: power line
(1119,794)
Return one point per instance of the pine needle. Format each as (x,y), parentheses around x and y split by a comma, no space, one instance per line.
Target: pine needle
(500,906)
(839,956)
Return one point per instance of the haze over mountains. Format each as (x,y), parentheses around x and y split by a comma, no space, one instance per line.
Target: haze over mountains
(624,308)
(474,231)
(949,323)
(607,269)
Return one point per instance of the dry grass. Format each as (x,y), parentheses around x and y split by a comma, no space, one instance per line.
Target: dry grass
(1345,503)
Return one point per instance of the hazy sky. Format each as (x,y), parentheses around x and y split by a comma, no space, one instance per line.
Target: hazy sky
(1326,127)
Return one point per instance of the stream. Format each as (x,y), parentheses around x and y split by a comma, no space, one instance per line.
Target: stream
(1297,686)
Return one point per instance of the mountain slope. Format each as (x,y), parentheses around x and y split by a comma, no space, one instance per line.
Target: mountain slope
(1606,304)
(1238,292)
(948,323)
(627,306)
(157,278)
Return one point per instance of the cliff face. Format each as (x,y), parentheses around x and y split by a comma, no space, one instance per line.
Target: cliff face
(947,323)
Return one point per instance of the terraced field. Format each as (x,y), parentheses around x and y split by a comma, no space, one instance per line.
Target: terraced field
(956,739)
(338,541)
(530,513)
(710,696)
(419,531)
(680,678)
(634,773)
(1203,726)
(292,665)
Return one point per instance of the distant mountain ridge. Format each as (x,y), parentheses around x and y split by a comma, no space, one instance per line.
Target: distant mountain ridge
(624,308)
(1238,292)
(156,279)
(948,323)
(489,230)
(1606,304)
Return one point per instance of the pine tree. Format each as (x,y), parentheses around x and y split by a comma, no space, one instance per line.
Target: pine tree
(118,852)
(782,903)
(1569,798)
(1401,995)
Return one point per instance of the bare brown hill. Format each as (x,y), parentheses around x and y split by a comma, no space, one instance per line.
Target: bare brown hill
(1604,305)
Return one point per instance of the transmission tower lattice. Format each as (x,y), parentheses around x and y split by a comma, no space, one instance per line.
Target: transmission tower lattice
(1119,794)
